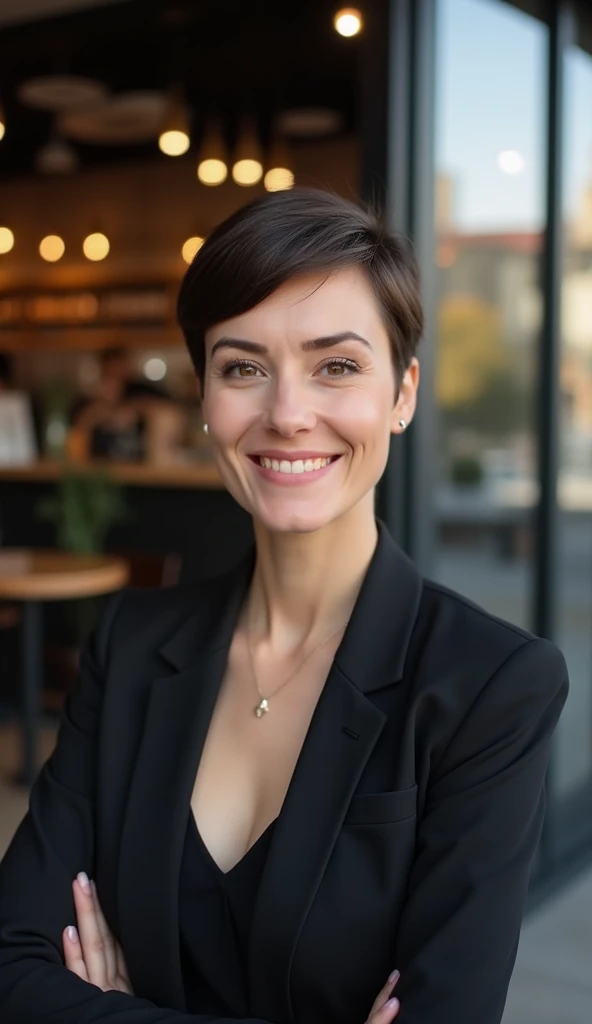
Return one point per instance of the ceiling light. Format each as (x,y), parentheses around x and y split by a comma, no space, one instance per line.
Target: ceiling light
(212,168)
(52,248)
(6,240)
(247,168)
(96,246)
(279,175)
(348,21)
(191,247)
(174,140)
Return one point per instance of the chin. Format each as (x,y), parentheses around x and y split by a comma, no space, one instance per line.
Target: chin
(292,520)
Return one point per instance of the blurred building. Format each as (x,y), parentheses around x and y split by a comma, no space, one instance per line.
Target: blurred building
(470,121)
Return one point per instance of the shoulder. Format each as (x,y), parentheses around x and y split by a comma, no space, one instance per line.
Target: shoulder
(457,639)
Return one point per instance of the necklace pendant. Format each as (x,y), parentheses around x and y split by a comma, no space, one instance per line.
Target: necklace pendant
(262,707)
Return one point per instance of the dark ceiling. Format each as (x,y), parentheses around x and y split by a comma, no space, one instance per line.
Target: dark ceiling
(232,56)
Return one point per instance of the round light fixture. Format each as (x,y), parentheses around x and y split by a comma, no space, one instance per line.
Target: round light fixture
(212,168)
(191,246)
(247,172)
(348,21)
(2,127)
(6,240)
(278,179)
(174,139)
(96,246)
(173,143)
(212,172)
(52,248)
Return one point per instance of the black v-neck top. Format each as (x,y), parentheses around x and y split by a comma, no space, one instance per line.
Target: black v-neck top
(215,910)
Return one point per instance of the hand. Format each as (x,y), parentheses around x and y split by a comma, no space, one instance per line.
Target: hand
(90,950)
(385,1009)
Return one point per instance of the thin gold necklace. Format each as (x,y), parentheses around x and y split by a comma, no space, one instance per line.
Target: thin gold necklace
(263,706)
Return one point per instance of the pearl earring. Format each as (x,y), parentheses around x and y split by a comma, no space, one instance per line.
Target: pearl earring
(402,424)
(205,428)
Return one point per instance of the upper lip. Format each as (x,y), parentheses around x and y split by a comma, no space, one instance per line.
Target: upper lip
(273,453)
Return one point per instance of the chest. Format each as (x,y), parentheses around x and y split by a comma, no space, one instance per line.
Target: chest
(247,761)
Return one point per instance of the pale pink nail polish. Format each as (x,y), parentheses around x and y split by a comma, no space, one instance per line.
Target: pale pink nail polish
(72,933)
(394,976)
(391,1004)
(84,882)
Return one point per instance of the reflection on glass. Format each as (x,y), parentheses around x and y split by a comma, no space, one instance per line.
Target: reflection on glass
(573,763)
(490,216)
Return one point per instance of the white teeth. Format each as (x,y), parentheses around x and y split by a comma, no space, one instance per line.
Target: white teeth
(298,466)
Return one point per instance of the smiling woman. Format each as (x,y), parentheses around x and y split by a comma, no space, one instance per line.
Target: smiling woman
(319,776)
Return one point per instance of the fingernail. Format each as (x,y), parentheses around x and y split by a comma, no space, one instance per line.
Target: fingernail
(83,881)
(391,1004)
(394,976)
(72,933)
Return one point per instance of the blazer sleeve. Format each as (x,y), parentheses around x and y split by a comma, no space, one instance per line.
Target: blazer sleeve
(54,841)
(458,933)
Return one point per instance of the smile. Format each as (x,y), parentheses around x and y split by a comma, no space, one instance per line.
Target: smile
(294,471)
(297,466)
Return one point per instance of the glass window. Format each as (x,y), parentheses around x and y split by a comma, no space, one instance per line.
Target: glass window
(573,759)
(490,212)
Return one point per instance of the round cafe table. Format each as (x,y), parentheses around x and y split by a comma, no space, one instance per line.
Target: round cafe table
(31,577)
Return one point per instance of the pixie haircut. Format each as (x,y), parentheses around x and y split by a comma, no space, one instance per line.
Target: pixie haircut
(301,231)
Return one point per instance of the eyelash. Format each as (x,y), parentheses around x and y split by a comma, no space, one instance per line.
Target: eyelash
(350,364)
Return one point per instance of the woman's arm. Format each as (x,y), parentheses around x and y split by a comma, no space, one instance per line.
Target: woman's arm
(459,931)
(53,843)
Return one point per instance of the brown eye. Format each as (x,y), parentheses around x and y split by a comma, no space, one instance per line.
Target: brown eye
(337,368)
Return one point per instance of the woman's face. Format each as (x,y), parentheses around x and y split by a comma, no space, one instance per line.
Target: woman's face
(299,397)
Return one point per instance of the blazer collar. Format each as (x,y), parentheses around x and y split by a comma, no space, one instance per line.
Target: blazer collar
(374,647)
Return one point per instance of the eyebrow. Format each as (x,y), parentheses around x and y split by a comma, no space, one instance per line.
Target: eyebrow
(328,341)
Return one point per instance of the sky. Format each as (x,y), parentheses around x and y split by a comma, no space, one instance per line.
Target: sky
(491,83)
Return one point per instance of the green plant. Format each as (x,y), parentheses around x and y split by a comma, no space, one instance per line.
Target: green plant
(85,505)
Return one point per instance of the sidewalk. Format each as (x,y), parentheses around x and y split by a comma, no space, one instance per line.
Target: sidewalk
(552,981)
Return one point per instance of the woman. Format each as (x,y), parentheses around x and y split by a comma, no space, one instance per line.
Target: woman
(319,769)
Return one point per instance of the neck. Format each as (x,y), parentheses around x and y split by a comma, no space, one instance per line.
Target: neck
(305,585)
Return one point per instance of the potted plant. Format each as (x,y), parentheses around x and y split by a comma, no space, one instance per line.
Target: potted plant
(83,508)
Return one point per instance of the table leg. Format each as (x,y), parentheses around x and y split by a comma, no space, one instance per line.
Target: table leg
(31,683)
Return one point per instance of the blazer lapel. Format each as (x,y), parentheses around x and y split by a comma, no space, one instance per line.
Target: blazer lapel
(343,731)
(178,714)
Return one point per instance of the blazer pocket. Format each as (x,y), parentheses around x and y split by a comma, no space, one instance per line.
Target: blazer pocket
(382,808)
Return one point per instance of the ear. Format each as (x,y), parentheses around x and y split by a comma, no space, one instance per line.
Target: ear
(404,408)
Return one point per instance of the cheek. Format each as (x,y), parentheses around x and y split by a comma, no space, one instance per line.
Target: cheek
(364,415)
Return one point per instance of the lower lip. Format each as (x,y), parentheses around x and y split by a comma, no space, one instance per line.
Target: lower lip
(294,479)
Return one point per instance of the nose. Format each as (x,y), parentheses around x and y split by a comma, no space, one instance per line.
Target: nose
(288,409)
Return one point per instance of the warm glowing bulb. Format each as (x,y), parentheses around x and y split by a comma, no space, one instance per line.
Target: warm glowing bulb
(52,248)
(277,179)
(247,172)
(6,240)
(96,246)
(348,21)
(212,172)
(190,247)
(174,143)
(2,130)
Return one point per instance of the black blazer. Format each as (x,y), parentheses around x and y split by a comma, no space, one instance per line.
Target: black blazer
(405,839)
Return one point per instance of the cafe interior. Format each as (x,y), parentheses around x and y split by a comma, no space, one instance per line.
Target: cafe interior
(129,130)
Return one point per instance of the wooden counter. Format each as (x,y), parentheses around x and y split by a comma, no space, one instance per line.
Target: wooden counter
(202,476)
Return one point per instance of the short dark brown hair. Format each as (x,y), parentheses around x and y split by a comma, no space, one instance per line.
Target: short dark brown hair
(300,231)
